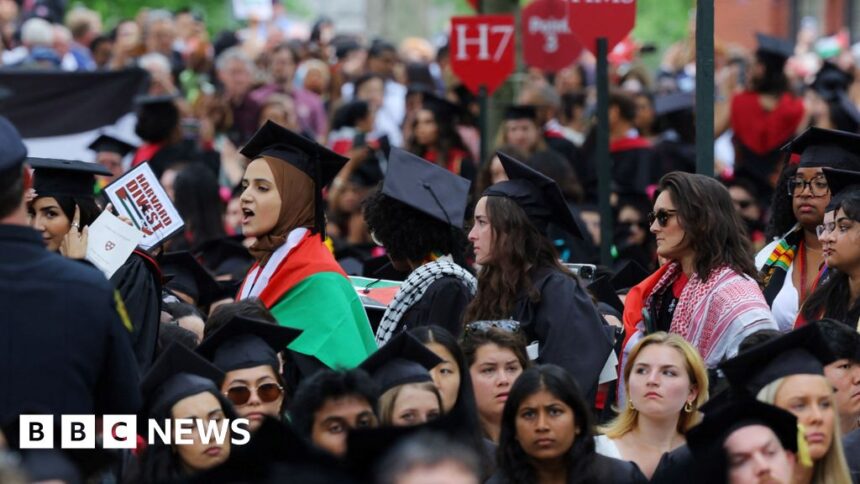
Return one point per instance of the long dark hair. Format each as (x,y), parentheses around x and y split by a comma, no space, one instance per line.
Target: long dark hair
(782,217)
(447,138)
(518,246)
(832,298)
(465,411)
(198,201)
(774,80)
(513,461)
(89,210)
(717,234)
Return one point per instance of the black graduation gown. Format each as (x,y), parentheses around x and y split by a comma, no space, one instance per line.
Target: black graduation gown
(566,325)
(604,470)
(851,446)
(139,284)
(634,169)
(570,152)
(676,466)
(675,155)
(442,304)
(64,348)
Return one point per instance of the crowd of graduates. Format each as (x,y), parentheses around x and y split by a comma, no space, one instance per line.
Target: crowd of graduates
(721,345)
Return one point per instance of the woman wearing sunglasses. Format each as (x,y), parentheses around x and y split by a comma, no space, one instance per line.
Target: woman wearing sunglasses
(496,356)
(546,435)
(522,279)
(793,265)
(839,297)
(706,292)
(246,350)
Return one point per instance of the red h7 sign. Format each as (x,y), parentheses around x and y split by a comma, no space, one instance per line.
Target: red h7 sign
(482,50)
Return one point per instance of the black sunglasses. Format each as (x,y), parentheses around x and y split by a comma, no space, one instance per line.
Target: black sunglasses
(267,392)
(509,325)
(661,216)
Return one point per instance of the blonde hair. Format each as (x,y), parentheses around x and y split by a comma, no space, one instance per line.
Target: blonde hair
(830,469)
(389,398)
(628,418)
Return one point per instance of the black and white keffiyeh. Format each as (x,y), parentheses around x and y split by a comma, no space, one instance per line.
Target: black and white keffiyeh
(413,289)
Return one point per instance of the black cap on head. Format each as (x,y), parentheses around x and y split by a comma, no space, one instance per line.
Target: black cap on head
(111,144)
(13,152)
(402,360)
(707,440)
(316,161)
(802,351)
(538,195)
(444,110)
(224,256)
(177,373)
(819,147)
(674,102)
(841,181)
(628,275)
(842,340)
(66,178)
(521,111)
(774,46)
(189,277)
(426,187)
(602,289)
(247,343)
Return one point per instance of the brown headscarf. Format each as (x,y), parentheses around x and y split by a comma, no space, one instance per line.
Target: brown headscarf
(296,189)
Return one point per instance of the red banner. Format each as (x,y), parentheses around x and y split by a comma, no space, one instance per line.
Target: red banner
(548,42)
(590,19)
(482,50)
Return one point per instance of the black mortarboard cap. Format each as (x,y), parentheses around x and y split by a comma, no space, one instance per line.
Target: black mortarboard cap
(178,373)
(225,255)
(112,144)
(68,178)
(13,151)
(315,160)
(445,110)
(602,289)
(538,195)
(628,275)
(426,187)
(676,101)
(402,360)
(842,340)
(819,147)
(774,46)
(830,81)
(840,180)
(707,439)
(802,351)
(521,111)
(246,343)
(189,277)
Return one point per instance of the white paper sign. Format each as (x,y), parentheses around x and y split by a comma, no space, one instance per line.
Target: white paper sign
(110,242)
(260,10)
(609,371)
(139,196)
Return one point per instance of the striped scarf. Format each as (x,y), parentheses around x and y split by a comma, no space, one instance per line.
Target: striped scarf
(776,268)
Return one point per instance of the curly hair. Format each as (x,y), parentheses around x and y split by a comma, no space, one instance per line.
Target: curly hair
(514,463)
(518,246)
(718,235)
(326,385)
(408,233)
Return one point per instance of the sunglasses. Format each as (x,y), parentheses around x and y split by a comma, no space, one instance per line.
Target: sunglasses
(509,325)
(267,393)
(661,216)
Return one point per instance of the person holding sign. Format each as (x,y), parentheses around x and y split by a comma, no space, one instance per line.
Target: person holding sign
(295,275)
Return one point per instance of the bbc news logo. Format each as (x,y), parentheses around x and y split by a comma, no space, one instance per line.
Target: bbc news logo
(120,431)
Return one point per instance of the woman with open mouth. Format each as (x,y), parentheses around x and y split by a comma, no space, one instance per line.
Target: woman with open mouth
(296,275)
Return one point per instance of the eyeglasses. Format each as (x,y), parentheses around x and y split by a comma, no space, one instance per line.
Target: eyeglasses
(509,325)
(267,392)
(817,186)
(661,216)
(824,229)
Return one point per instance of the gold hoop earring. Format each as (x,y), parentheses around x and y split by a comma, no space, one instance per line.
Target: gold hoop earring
(688,407)
(630,404)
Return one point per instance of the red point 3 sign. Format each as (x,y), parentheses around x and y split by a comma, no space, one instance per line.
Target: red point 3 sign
(548,41)
(482,50)
(590,19)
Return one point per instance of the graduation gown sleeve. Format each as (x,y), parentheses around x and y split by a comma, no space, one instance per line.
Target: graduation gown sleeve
(140,290)
(607,469)
(328,310)
(442,304)
(851,446)
(568,329)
